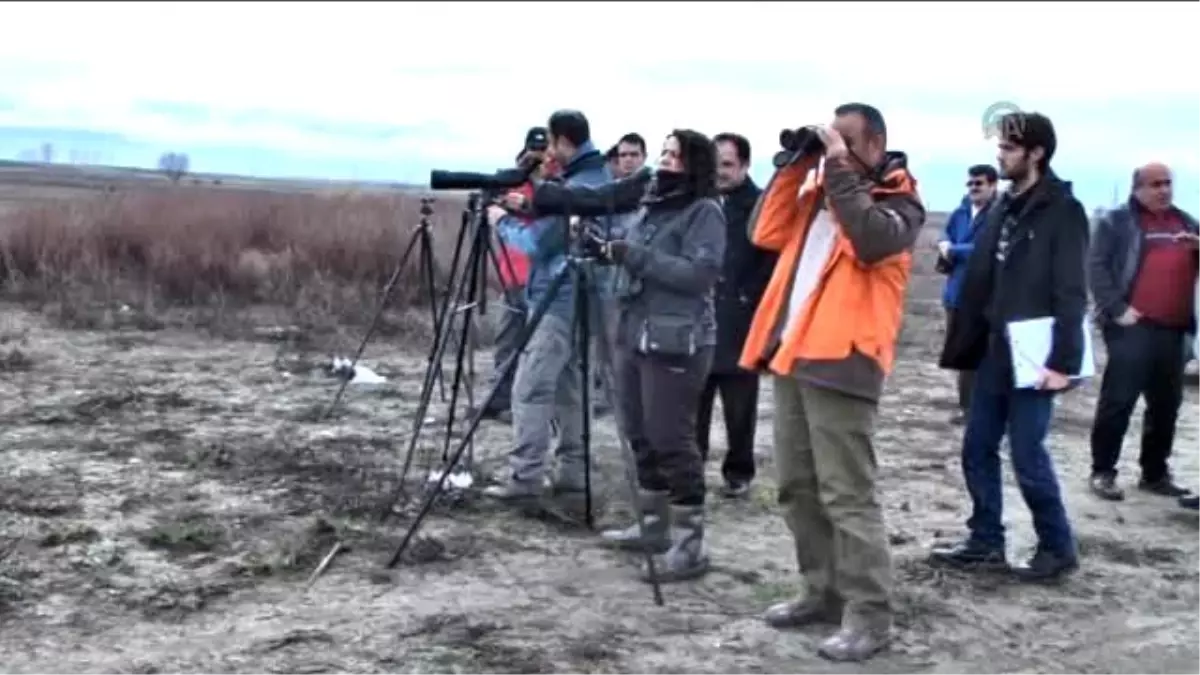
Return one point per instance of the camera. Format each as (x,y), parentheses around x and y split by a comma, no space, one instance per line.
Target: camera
(504,179)
(797,143)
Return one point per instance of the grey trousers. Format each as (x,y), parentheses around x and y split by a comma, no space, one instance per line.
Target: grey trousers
(513,312)
(546,390)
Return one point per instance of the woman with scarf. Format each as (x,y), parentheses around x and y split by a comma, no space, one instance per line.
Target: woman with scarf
(667,266)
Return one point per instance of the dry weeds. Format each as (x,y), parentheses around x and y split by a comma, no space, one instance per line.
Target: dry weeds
(211,257)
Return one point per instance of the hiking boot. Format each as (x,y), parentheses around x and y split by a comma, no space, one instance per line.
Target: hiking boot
(736,489)
(1104,486)
(805,610)
(515,490)
(655,515)
(1046,566)
(1163,487)
(688,555)
(969,555)
(1190,502)
(855,641)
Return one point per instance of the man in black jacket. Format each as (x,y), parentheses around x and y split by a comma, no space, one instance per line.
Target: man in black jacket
(1143,277)
(1029,262)
(744,276)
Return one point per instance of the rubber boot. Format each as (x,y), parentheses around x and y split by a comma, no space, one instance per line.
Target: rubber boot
(688,556)
(654,519)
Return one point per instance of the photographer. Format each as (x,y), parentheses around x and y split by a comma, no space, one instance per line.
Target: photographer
(547,380)
(514,266)
(826,328)
(666,266)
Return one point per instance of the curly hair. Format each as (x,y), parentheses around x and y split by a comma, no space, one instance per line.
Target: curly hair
(699,157)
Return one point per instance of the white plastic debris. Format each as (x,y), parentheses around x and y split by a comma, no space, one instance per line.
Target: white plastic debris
(458,479)
(359,374)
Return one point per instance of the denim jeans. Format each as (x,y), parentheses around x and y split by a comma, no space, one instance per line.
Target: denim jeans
(1024,415)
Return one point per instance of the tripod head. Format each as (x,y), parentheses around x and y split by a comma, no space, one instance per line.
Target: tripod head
(427,207)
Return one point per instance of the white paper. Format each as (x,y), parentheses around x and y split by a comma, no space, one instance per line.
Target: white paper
(1031,341)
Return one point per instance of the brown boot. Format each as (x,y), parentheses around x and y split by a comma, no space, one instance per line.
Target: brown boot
(857,640)
(805,610)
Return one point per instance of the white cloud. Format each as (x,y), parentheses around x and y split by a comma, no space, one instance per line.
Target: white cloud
(483,72)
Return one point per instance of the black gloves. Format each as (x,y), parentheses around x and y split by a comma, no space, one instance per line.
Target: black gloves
(593,243)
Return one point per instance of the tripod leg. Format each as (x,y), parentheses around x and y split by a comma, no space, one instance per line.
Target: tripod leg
(626,451)
(473,264)
(477,416)
(583,321)
(383,300)
(437,350)
(429,281)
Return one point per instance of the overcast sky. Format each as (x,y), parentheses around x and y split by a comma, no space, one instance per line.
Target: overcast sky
(417,86)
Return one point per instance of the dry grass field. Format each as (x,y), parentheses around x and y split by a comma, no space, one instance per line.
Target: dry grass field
(167,483)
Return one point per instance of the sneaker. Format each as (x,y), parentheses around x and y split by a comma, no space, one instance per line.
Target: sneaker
(515,490)
(970,555)
(1163,487)
(735,489)
(808,609)
(1104,486)
(1190,502)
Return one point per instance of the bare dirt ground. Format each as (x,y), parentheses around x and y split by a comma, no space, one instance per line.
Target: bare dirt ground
(164,496)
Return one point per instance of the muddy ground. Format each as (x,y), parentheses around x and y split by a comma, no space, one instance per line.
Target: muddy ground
(164,496)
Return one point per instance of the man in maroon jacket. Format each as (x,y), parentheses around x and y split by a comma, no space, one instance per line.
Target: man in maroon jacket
(1143,271)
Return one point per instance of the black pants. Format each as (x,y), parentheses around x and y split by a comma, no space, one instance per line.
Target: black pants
(739,400)
(658,396)
(966,380)
(1143,360)
(511,320)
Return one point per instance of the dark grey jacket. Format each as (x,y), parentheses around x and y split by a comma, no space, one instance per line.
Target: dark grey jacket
(1116,256)
(666,278)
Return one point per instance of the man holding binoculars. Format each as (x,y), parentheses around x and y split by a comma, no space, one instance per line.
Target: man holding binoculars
(844,251)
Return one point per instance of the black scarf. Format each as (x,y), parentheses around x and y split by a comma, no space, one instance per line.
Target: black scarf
(668,189)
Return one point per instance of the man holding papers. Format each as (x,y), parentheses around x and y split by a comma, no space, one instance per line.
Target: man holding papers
(1028,264)
(1143,275)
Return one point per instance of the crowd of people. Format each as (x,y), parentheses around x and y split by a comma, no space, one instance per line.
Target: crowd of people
(706,283)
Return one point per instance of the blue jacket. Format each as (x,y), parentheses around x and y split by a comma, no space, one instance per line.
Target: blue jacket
(960,232)
(545,239)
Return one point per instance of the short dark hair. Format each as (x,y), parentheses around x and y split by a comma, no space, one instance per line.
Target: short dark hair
(699,158)
(1030,130)
(571,125)
(870,113)
(740,142)
(986,170)
(634,138)
(612,153)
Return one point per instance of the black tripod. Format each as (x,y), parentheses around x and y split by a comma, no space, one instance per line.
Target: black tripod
(578,270)
(421,242)
(468,283)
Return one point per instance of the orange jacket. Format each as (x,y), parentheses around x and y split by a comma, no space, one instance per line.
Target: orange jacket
(856,306)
